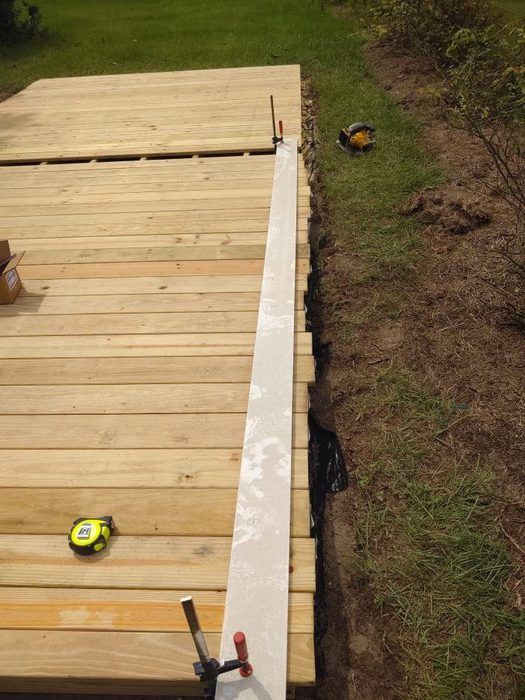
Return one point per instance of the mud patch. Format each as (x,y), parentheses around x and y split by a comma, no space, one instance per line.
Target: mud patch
(449,210)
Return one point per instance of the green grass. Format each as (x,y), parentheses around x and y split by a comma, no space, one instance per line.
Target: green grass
(442,573)
(512,10)
(433,551)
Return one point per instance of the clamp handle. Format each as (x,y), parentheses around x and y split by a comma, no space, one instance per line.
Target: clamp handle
(208,668)
(239,639)
(276,139)
(196,630)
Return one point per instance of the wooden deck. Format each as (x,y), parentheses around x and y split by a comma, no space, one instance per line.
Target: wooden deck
(212,111)
(125,364)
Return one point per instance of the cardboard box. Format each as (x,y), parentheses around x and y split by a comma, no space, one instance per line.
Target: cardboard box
(10,283)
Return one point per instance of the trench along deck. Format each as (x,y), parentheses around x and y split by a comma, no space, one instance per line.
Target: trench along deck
(126,363)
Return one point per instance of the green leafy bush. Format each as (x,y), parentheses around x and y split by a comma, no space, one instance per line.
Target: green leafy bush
(485,91)
(486,80)
(19,20)
(430,25)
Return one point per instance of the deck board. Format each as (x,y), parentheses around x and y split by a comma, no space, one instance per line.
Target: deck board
(54,661)
(114,609)
(138,431)
(181,512)
(196,468)
(189,370)
(145,562)
(127,359)
(149,114)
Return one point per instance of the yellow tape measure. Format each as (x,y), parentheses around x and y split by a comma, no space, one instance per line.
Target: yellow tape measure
(90,535)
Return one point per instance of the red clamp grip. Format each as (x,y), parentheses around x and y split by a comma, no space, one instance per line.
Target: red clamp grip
(280,129)
(239,639)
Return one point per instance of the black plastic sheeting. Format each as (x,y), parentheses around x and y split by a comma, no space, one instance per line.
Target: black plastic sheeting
(327,474)
(327,468)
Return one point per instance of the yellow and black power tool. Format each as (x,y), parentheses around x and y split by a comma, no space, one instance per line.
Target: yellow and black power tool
(90,535)
(358,138)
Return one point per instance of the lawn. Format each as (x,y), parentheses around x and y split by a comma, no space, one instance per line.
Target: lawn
(362,197)
(512,10)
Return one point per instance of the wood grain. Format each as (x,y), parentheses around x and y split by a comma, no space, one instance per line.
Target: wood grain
(143,345)
(125,116)
(136,562)
(127,468)
(149,269)
(110,609)
(143,662)
(134,370)
(126,361)
(141,398)
(181,512)
(202,284)
(186,430)
(102,324)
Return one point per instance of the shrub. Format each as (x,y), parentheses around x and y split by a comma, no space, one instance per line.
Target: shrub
(19,20)
(428,26)
(485,91)
(487,77)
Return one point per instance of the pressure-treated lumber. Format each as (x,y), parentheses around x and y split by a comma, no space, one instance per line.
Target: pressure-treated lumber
(132,468)
(208,430)
(164,322)
(143,345)
(125,399)
(150,269)
(55,661)
(137,226)
(181,512)
(133,370)
(132,303)
(112,609)
(187,250)
(127,115)
(146,562)
(181,284)
(127,360)
(254,205)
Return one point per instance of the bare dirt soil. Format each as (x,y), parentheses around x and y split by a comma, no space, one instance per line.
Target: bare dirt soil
(456,328)
(452,331)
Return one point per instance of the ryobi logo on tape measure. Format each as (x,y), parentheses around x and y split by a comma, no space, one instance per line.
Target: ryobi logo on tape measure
(90,535)
(84,532)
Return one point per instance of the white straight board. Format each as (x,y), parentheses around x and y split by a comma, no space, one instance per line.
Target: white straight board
(257,592)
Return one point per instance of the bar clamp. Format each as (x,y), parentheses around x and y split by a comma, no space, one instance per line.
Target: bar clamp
(207,668)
